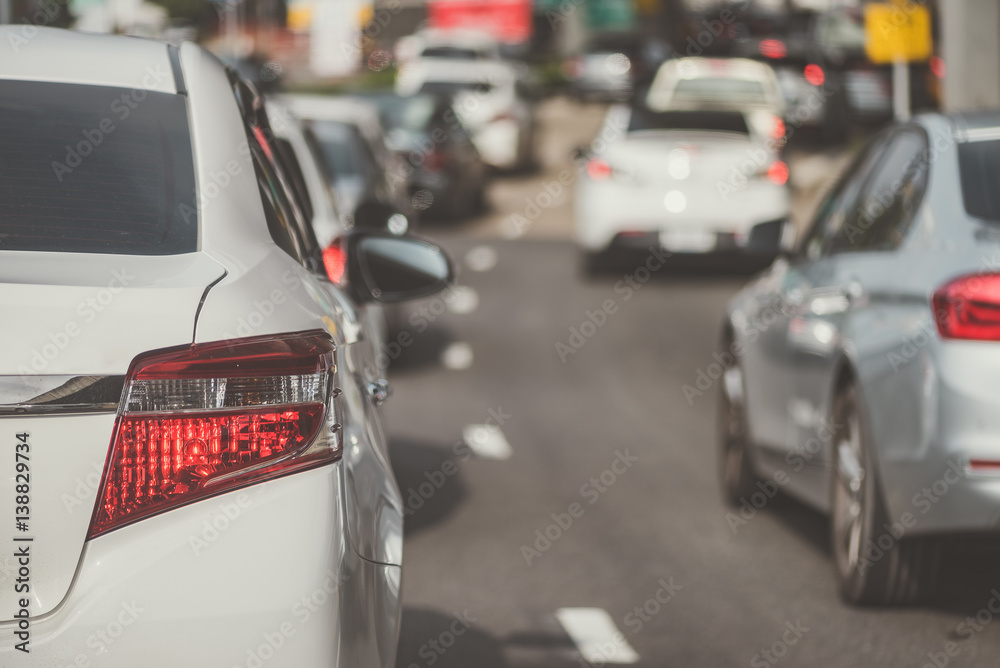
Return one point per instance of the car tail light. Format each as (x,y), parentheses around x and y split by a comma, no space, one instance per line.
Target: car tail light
(778,172)
(572,68)
(201,420)
(598,169)
(773,48)
(814,74)
(335,261)
(969,308)
(937,66)
(436,161)
(778,128)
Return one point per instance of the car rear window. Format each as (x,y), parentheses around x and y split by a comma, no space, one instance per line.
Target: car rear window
(979,168)
(94,169)
(713,90)
(643,119)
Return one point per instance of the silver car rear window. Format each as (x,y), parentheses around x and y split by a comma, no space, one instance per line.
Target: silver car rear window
(94,169)
(979,168)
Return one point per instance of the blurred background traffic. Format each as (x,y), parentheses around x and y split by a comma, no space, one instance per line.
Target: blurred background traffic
(607,175)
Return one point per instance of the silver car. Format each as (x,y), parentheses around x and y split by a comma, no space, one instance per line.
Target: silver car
(860,373)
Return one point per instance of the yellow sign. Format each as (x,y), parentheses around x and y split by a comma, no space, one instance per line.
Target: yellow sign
(897,31)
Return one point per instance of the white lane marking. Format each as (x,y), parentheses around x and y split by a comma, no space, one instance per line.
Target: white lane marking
(596,636)
(487,441)
(463,299)
(481,258)
(457,356)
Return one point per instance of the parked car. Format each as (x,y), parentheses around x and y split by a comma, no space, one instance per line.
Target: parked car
(493,100)
(188,392)
(448,175)
(738,84)
(860,369)
(353,151)
(700,184)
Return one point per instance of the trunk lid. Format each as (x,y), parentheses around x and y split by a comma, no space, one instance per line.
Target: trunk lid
(74,323)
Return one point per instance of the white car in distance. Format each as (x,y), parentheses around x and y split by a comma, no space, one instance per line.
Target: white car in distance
(698,184)
(488,99)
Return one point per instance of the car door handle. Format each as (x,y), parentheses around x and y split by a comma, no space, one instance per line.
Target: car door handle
(379,391)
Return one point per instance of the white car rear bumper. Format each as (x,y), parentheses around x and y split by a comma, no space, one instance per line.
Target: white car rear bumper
(263,576)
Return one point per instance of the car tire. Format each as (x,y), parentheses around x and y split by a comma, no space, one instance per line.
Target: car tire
(737,478)
(872,565)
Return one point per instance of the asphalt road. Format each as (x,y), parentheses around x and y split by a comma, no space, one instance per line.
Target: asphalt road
(592,484)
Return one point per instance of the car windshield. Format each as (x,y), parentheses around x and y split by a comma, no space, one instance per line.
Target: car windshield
(979,168)
(94,169)
(843,30)
(454,52)
(720,90)
(406,113)
(339,145)
(643,119)
(452,88)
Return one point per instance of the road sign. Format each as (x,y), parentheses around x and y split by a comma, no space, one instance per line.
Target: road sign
(897,32)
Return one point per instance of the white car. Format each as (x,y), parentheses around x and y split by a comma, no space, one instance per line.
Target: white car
(193,447)
(738,84)
(487,98)
(451,43)
(695,183)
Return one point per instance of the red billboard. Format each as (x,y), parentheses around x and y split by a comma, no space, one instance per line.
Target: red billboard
(507,20)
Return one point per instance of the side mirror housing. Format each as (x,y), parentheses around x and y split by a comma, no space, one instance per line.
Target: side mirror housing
(389,268)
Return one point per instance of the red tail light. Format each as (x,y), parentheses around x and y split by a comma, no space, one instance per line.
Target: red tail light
(335,262)
(778,128)
(202,420)
(436,161)
(773,48)
(969,308)
(814,74)
(778,173)
(598,169)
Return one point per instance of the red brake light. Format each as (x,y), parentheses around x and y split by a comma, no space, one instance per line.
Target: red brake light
(969,308)
(335,261)
(778,172)
(814,74)
(598,169)
(937,66)
(202,420)
(778,129)
(773,48)
(436,161)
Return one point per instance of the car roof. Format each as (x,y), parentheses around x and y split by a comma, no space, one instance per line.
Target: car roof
(741,68)
(446,69)
(64,56)
(457,37)
(353,111)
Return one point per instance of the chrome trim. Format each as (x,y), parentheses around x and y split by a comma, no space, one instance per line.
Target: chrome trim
(51,395)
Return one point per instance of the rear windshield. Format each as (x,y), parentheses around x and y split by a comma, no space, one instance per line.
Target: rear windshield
(714,90)
(710,121)
(453,52)
(94,169)
(979,166)
(451,88)
(341,148)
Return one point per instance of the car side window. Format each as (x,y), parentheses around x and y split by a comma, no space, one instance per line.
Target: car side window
(882,215)
(830,216)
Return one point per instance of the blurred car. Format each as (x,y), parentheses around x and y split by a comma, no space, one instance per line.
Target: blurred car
(488,99)
(353,152)
(455,43)
(449,177)
(612,65)
(861,370)
(737,84)
(700,184)
(212,391)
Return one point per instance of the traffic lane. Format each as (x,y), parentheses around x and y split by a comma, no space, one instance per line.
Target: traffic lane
(620,391)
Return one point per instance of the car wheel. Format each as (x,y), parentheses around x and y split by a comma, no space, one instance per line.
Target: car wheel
(873,564)
(736,473)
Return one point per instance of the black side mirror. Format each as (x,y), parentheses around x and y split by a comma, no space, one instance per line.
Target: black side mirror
(385,267)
